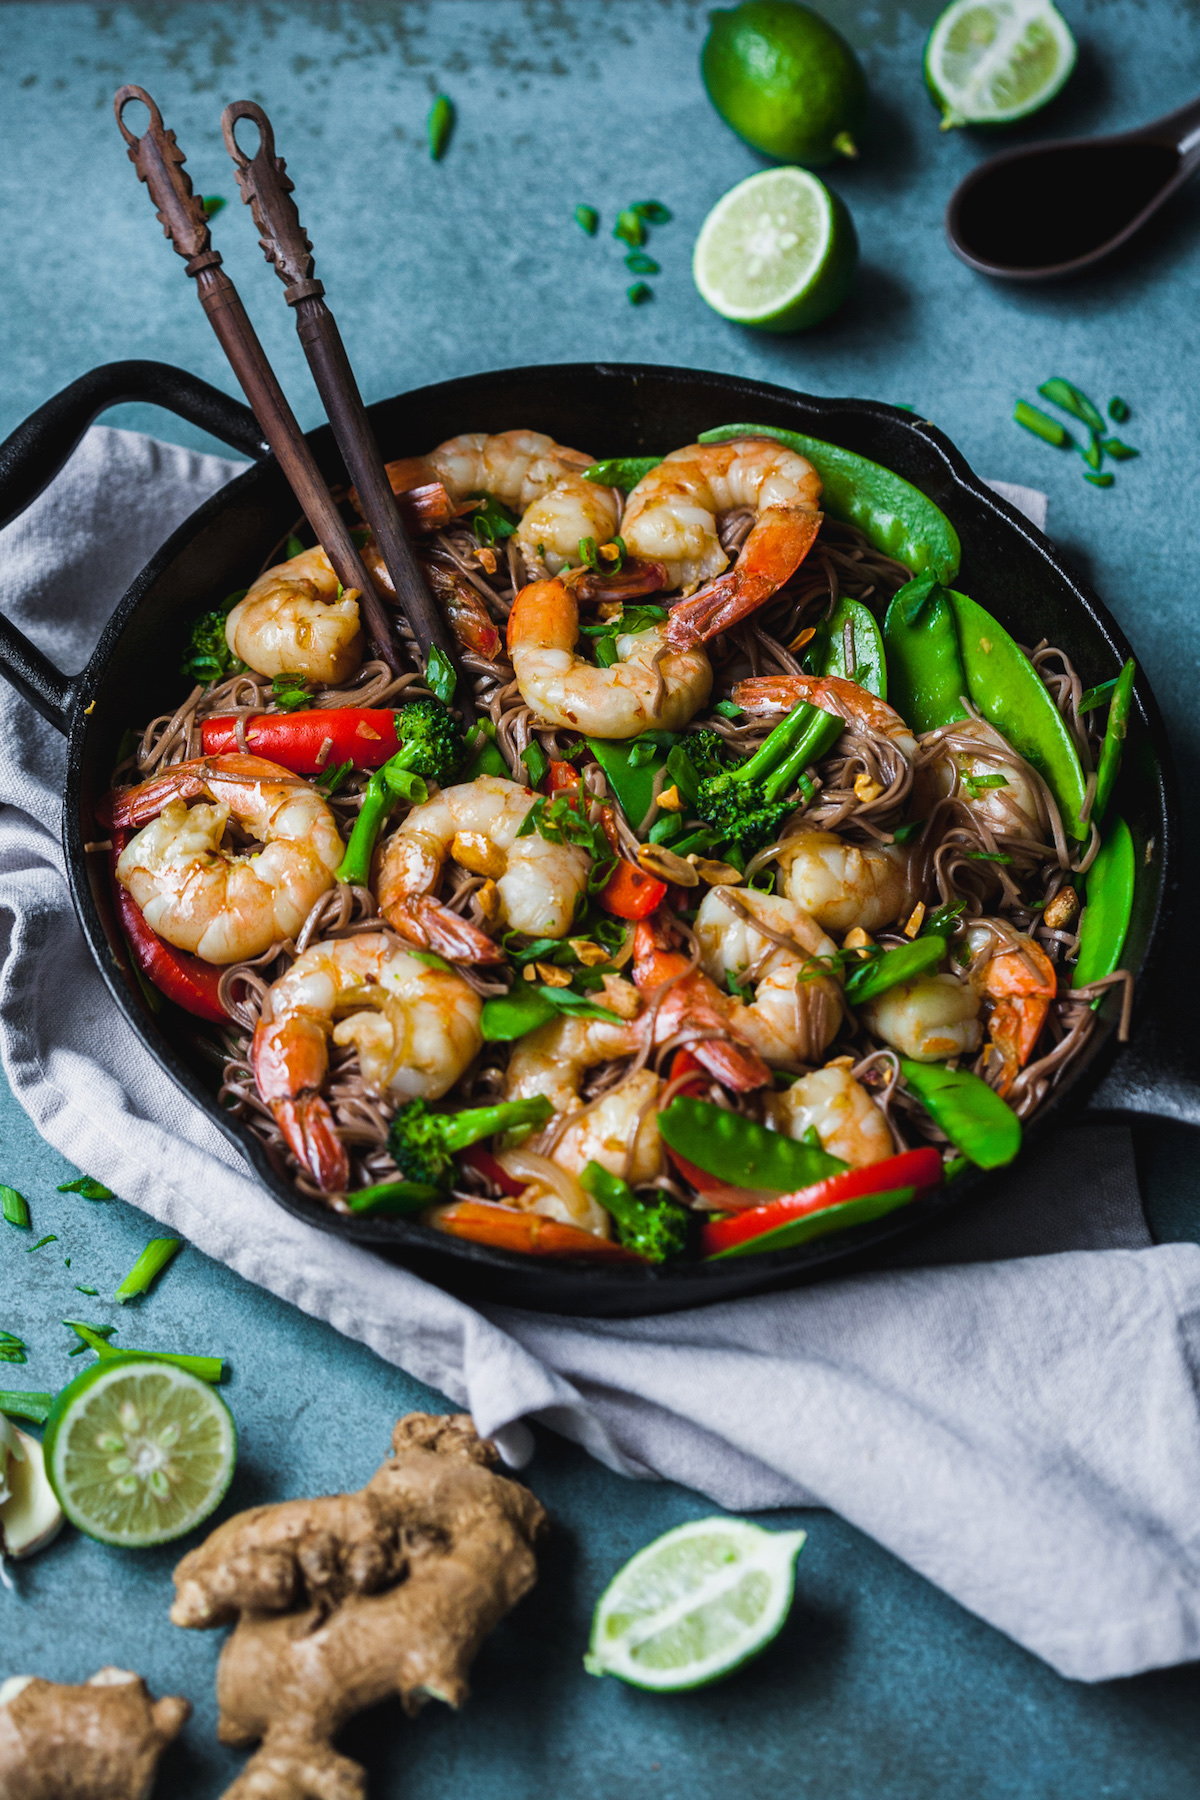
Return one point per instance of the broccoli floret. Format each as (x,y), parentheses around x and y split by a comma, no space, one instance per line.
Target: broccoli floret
(705,750)
(431,742)
(655,1229)
(744,803)
(431,748)
(423,1144)
(208,656)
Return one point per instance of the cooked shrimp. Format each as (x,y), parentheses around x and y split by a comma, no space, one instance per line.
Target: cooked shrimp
(671,518)
(223,905)
(929,1019)
(1022,982)
(649,685)
(466,615)
(693,1009)
(864,711)
(477,824)
(840,1110)
(529,472)
(415,1028)
(841,885)
(295,620)
(974,763)
(621,1132)
(796,1010)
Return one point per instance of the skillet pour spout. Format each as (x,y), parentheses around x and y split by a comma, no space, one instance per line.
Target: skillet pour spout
(612,410)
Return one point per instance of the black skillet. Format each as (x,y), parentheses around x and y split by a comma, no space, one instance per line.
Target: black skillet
(611,409)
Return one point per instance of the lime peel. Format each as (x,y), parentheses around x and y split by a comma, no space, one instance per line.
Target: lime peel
(694,1605)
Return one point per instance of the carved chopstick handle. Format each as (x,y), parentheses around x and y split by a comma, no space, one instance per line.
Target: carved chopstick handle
(267,189)
(159,163)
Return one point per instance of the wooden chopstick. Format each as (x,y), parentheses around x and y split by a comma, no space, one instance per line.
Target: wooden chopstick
(159,163)
(267,190)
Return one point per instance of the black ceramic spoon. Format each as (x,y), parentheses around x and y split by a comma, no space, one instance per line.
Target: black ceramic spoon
(1052,209)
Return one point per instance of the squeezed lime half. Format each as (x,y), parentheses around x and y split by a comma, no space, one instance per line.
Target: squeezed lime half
(139,1452)
(694,1605)
(778,251)
(989,62)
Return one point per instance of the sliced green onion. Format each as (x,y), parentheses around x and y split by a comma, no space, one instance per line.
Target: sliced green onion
(639,293)
(1042,425)
(1092,697)
(638,263)
(439,125)
(148,1267)
(293,547)
(653,211)
(629,228)
(1091,452)
(996,856)
(92,1337)
(1117,450)
(1117,409)
(51,1237)
(88,1186)
(34,1407)
(1063,394)
(12,1348)
(92,1293)
(1098,480)
(728,710)
(14,1206)
(331,779)
(904,834)
(213,204)
(587,218)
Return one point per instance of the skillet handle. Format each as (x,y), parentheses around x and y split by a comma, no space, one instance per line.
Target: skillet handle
(37,450)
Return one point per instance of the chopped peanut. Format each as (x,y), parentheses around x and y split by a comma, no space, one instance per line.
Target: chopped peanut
(915,920)
(841,1062)
(552,975)
(657,860)
(857,939)
(1063,910)
(621,997)
(529,972)
(801,638)
(589,954)
(867,790)
(670,800)
(488,897)
(488,559)
(717,874)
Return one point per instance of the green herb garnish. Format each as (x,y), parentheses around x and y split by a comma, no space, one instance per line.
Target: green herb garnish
(1072,400)
(148,1267)
(728,710)
(904,834)
(639,293)
(1117,450)
(1098,480)
(1118,410)
(12,1348)
(978,784)
(492,522)
(51,1237)
(212,204)
(34,1407)
(439,675)
(439,125)
(1093,697)
(536,762)
(290,693)
(587,218)
(331,779)
(996,856)
(292,548)
(653,211)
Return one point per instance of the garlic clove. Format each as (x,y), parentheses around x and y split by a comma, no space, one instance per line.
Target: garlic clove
(30,1518)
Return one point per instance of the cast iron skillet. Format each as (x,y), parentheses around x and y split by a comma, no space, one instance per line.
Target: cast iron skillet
(611,409)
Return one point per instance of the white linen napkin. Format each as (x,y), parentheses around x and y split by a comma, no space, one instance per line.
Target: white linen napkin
(1016,1418)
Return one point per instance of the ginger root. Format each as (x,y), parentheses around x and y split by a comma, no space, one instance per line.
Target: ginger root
(344,1600)
(100,1741)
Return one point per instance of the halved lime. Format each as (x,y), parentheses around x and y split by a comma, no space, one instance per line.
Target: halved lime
(990,61)
(694,1605)
(778,251)
(139,1452)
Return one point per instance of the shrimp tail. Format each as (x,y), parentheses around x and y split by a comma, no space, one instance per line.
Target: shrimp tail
(311,1135)
(1022,983)
(636,578)
(290,1057)
(200,776)
(765,694)
(695,1001)
(425,922)
(774,550)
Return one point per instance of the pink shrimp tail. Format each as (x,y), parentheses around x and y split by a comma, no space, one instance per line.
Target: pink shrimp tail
(697,1002)
(1023,999)
(782,537)
(765,694)
(290,1058)
(128,808)
(425,922)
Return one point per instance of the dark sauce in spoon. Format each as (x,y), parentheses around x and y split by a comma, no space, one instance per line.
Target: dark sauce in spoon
(1057,204)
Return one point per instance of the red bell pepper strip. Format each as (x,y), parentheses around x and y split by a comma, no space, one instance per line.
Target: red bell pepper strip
(362,735)
(896,1180)
(188,980)
(562,778)
(528,1233)
(630,893)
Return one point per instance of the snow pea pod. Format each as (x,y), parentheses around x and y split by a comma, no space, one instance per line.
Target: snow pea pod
(896,517)
(855,647)
(1109,905)
(817,1224)
(1114,740)
(488,760)
(633,781)
(973,1117)
(870,979)
(925,662)
(741,1152)
(1005,687)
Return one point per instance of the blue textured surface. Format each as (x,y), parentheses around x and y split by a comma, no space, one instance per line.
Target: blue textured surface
(880,1686)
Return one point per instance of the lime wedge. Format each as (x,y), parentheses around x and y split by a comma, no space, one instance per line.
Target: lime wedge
(990,61)
(138,1452)
(778,251)
(694,1605)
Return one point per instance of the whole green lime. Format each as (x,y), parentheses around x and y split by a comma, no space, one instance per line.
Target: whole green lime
(786,81)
